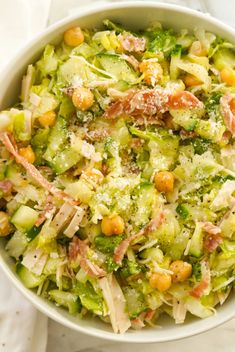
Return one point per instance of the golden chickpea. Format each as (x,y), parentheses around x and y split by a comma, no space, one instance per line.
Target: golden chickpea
(227,76)
(181,270)
(152,71)
(73,36)
(4,224)
(47,119)
(191,81)
(112,225)
(82,98)
(164,181)
(94,175)
(160,281)
(28,154)
(197,49)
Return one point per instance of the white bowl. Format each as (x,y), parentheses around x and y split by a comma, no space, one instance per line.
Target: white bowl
(133,15)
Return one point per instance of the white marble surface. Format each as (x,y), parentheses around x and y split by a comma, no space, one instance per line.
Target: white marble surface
(221,339)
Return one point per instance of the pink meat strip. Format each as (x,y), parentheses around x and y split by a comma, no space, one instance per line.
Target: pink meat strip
(151,102)
(212,240)
(121,250)
(147,316)
(146,101)
(132,43)
(79,248)
(6,187)
(184,100)
(210,228)
(227,112)
(49,208)
(199,289)
(6,139)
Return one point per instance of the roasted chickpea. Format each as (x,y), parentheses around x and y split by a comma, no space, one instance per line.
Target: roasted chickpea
(93,175)
(112,225)
(164,181)
(47,119)
(73,36)
(197,49)
(227,76)
(4,224)
(181,270)
(160,281)
(152,71)
(82,98)
(191,81)
(28,154)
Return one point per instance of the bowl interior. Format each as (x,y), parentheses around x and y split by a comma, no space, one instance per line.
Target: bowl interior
(134,16)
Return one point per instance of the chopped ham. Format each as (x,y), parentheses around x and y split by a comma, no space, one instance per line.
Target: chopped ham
(122,248)
(201,288)
(150,102)
(138,323)
(184,99)
(155,223)
(198,290)
(91,269)
(147,316)
(144,101)
(8,140)
(98,135)
(78,248)
(116,303)
(227,111)
(48,210)
(131,43)
(211,242)
(6,187)
(74,249)
(210,228)
(150,315)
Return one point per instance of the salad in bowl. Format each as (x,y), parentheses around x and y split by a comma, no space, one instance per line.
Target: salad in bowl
(117,172)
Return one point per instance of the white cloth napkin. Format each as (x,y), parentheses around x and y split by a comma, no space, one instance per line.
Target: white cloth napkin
(22,327)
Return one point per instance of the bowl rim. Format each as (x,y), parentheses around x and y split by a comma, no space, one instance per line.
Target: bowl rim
(30,295)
